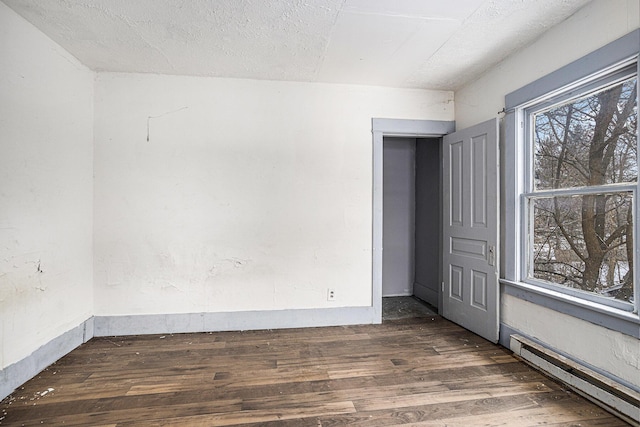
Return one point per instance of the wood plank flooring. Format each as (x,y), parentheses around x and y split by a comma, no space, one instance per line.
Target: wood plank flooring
(418,372)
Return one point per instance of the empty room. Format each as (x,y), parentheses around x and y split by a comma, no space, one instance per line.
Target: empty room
(319,212)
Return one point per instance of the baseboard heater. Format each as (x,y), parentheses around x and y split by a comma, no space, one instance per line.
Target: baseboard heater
(606,393)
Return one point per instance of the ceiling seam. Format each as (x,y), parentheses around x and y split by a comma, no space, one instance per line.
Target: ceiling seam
(326,46)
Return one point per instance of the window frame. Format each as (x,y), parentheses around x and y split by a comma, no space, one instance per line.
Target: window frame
(609,77)
(601,67)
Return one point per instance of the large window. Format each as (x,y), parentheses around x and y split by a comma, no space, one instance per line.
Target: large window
(571,202)
(580,192)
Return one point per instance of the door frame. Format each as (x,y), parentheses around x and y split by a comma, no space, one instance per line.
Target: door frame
(380,128)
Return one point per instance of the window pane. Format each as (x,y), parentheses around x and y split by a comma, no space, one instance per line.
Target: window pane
(588,141)
(585,242)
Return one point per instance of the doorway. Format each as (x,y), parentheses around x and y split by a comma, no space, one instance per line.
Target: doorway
(411,218)
(381,128)
(469,288)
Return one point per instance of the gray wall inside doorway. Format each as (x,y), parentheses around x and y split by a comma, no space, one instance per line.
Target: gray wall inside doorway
(398,218)
(411,218)
(428,210)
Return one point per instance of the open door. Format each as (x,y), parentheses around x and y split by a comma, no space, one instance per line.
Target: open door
(470,229)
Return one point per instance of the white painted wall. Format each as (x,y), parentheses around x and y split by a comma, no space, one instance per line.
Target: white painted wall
(599,23)
(46,122)
(249,195)
(592,27)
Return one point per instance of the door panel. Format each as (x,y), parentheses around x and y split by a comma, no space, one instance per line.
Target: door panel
(457,179)
(479,181)
(470,229)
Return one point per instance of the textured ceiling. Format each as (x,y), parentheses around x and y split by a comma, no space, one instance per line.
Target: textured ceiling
(431,44)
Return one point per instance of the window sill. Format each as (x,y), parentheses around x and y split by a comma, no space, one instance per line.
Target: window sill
(612,318)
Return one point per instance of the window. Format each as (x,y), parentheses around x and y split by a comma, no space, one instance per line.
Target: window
(571,188)
(580,193)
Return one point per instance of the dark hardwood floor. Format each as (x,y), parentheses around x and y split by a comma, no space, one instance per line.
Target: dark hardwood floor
(417,371)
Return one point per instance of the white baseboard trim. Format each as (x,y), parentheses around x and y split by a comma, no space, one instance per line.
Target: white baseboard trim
(16,374)
(233,321)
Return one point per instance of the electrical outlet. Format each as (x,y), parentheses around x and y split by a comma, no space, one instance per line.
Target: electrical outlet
(331,295)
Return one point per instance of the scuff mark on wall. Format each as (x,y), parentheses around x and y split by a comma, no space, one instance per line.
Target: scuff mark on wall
(226,264)
(115,273)
(168,286)
(161,115)
(40,287)
(237,262)
(626,355)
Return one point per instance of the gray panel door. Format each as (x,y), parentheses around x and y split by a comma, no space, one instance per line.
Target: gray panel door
(470,229)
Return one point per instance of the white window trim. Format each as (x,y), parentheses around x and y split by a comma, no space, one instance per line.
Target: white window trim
(570,76)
